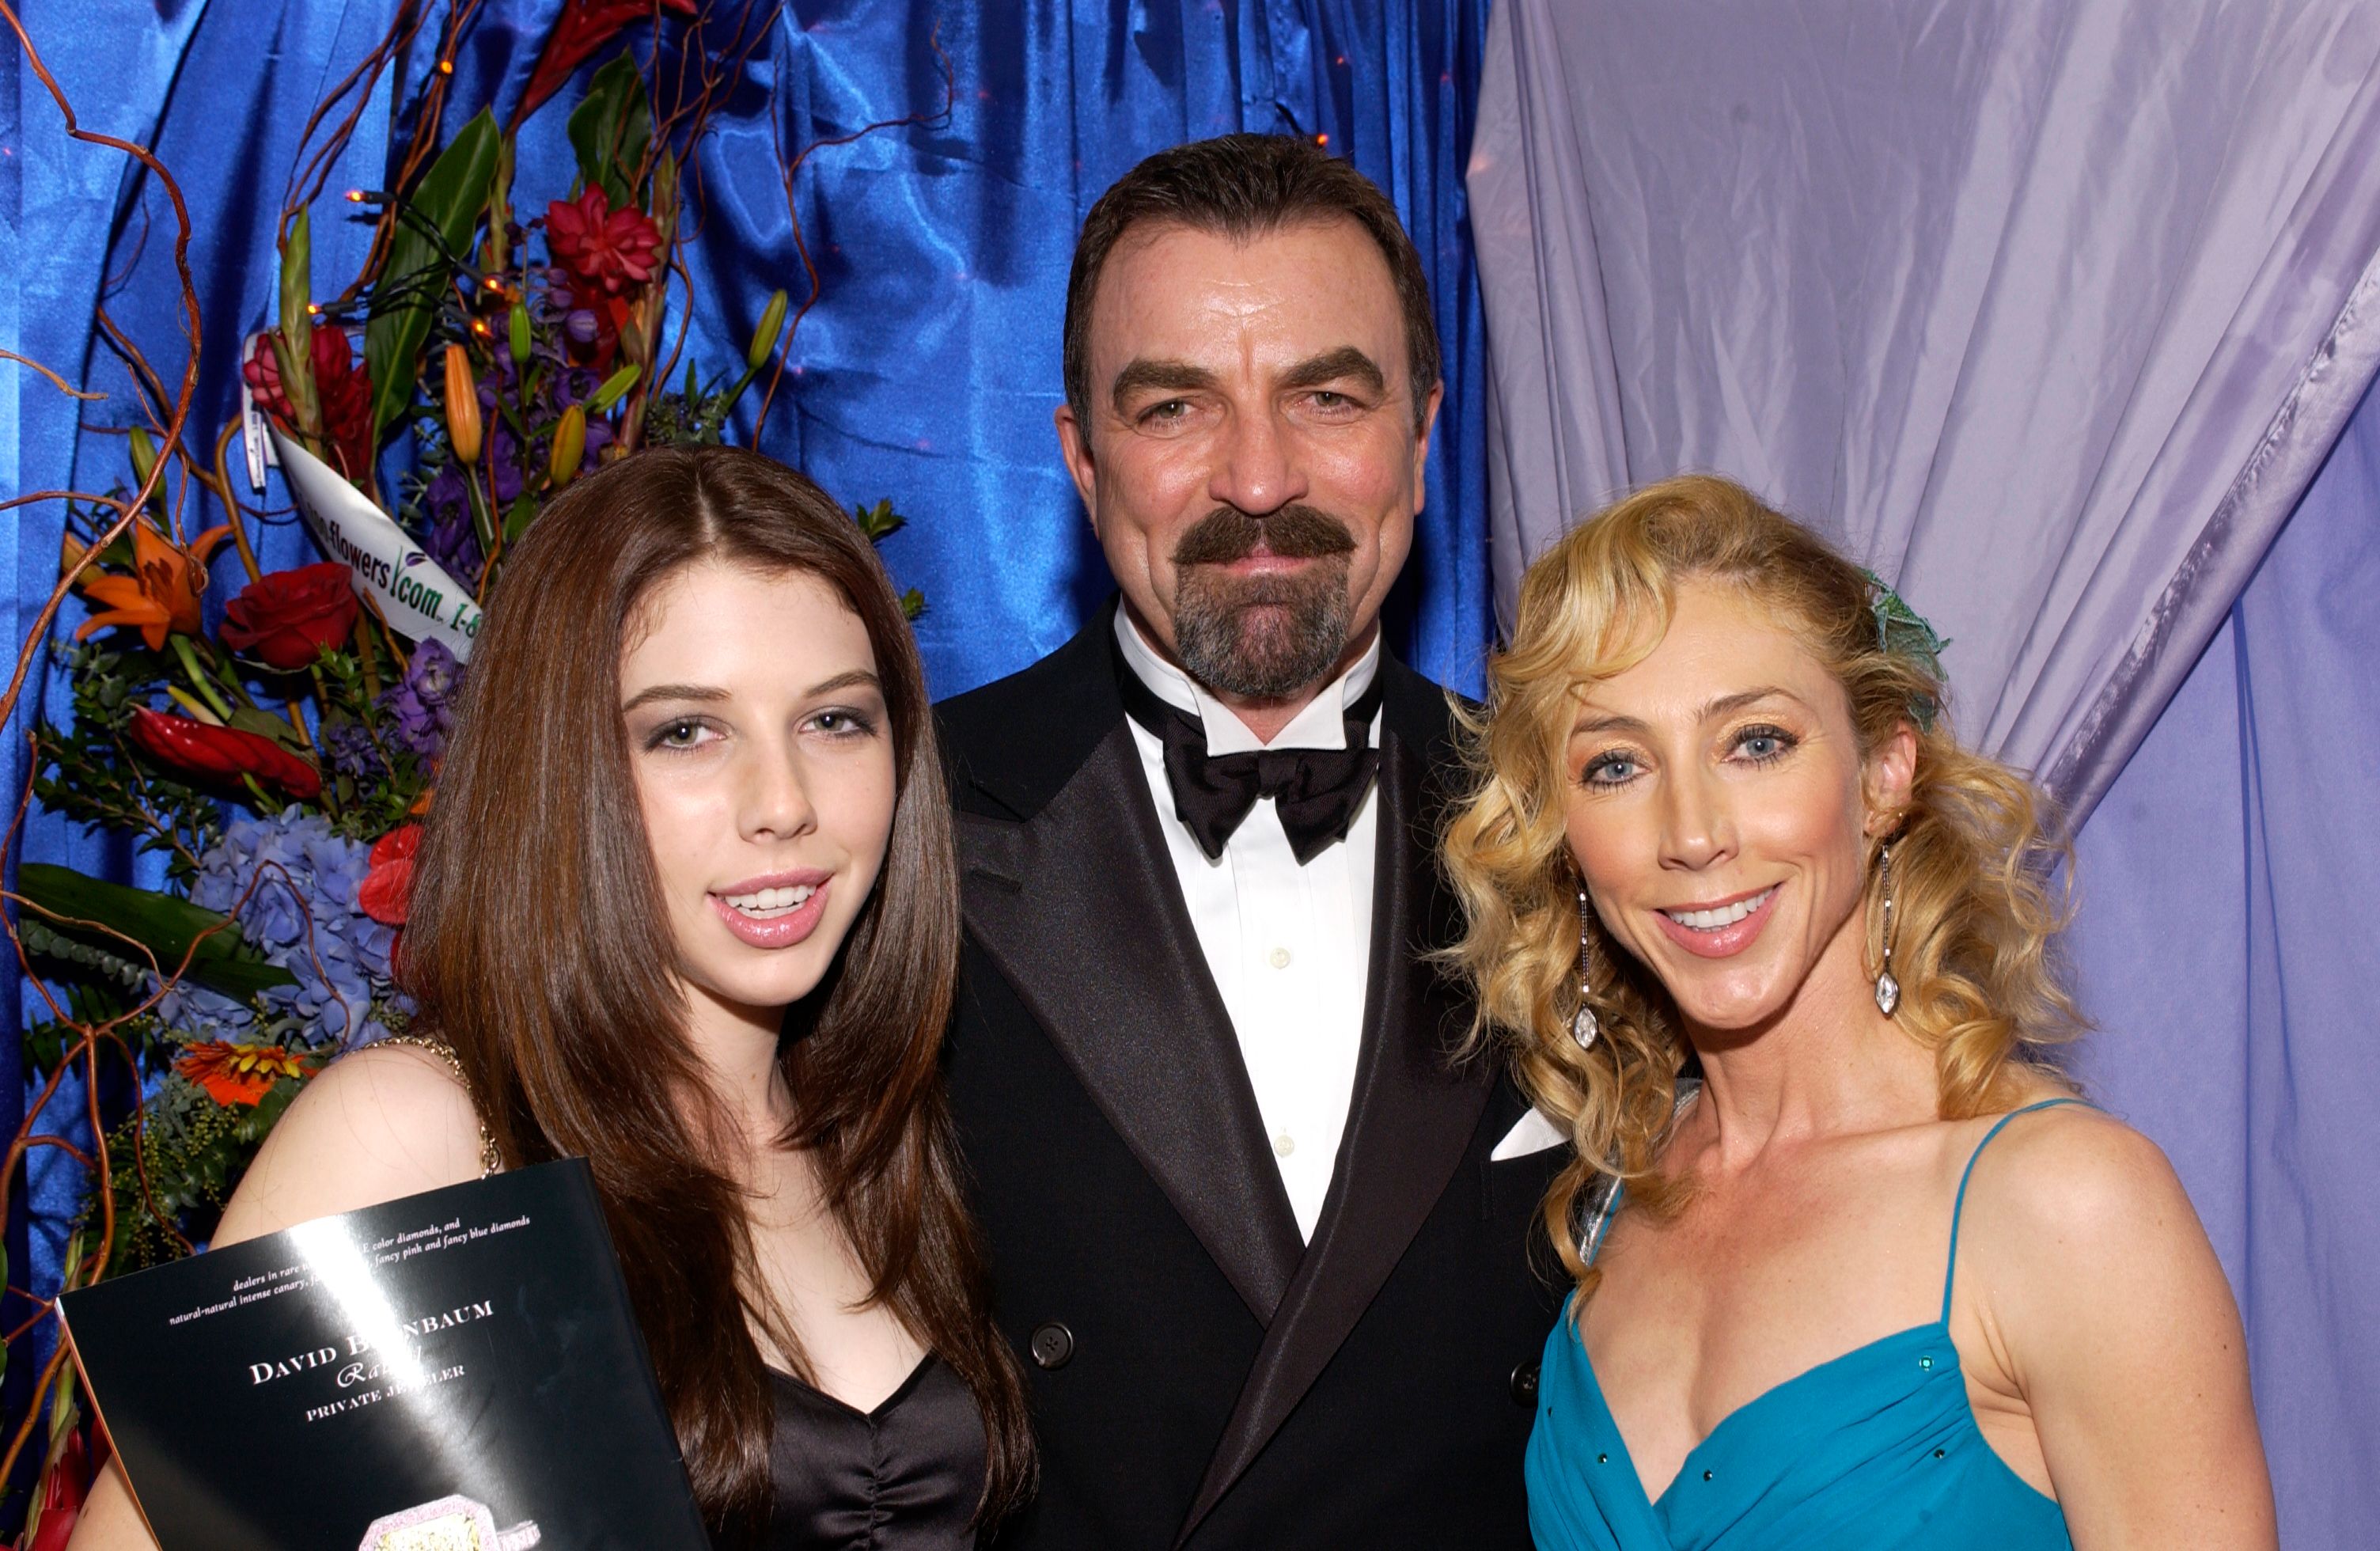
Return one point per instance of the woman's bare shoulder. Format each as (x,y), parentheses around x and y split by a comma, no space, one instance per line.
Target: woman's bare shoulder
(386,1122)
(2080,1215)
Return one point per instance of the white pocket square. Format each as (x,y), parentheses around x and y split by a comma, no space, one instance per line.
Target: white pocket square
(1532,1134)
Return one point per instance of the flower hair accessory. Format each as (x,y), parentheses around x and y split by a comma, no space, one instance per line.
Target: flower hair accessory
(1901,631)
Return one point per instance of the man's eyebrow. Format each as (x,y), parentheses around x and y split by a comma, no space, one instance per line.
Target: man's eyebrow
(702,692)
(1145,375)
(1333,366)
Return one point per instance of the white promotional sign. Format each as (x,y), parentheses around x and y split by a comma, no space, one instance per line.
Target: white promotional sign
(412,592)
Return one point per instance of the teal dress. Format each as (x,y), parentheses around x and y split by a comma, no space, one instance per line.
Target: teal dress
(1877,1448)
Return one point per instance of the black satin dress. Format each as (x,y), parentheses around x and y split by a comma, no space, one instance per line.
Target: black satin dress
(903,1477)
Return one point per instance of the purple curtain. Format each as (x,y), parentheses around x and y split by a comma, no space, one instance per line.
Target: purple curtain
(2052,312)
(2054,309)
(2224,947)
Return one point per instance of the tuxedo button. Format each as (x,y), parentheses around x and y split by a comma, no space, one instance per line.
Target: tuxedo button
(1280,958)
(1524,1384)
(1053,1345)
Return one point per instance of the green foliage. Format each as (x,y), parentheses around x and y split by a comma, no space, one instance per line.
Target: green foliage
(693,416)
(174,1175)
(86,771)
(435,230)
(610,129)
(172,929)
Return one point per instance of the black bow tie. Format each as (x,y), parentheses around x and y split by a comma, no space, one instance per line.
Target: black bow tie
(1315,791)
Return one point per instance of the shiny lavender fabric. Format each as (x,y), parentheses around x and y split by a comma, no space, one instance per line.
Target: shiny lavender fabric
(2052,310)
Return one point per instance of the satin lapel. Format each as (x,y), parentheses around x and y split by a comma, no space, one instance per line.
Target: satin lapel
(1080,909)
(1414,1115)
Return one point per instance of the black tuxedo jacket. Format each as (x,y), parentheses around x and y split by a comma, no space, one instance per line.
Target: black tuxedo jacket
(1200,1377)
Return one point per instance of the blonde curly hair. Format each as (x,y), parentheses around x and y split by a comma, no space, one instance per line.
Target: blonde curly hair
(1974,942)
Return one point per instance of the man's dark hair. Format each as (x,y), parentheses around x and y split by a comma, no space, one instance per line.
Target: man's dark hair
(1241,187)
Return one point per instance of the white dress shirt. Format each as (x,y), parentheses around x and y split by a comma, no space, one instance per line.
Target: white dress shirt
(1289,946)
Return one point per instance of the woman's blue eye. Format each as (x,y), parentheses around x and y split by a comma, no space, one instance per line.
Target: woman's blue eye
(1762,744)
(1609,770)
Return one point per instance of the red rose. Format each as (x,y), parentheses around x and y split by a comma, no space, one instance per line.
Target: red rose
(287,619)
(601,247)
(387,891)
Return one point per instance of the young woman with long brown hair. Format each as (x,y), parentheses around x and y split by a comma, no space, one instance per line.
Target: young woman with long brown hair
(686,908)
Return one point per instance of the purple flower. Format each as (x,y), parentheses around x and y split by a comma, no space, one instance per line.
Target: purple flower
(348,749)
(422,707)
(452,541)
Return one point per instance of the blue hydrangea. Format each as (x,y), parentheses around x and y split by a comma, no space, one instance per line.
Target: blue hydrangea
(301,914)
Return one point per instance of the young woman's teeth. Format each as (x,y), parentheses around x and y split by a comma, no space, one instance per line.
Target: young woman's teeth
(1725,915)
(766,903)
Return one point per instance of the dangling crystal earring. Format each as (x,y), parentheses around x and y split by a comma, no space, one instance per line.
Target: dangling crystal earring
(1582,1023)
(1888,989)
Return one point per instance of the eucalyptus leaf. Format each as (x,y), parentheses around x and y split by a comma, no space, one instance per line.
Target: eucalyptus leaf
(448,200)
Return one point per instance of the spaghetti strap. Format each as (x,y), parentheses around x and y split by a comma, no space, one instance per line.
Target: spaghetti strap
(1958,1207)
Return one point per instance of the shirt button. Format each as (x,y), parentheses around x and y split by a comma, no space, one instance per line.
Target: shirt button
(1285,1145)
(1279,959)
(1052,1345)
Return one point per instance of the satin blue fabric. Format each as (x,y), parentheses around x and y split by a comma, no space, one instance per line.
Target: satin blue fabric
(1877,1448)
(925,373)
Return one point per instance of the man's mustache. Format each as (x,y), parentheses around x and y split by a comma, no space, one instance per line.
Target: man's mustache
(1293,532)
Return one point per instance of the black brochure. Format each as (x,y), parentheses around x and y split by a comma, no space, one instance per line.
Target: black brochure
(457,1369)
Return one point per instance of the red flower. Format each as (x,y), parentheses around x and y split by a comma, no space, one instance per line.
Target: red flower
(583,27)
(341,387)
(602,247)
(238,1074)
(221,753)
(287,619)
(387,891)
(64,1487)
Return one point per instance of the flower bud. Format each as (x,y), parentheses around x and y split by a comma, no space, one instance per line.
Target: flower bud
(615,388)
(764,337)
(144,455)
(521,340)
(462,405)
(570,446)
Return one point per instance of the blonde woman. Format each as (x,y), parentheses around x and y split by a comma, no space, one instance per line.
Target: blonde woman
(1852,1267)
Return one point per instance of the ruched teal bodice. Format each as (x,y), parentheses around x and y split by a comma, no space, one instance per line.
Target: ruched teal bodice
(1875,1449)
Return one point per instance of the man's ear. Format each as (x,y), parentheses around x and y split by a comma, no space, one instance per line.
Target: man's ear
(1075,446)
(1421,441)
(1886,782)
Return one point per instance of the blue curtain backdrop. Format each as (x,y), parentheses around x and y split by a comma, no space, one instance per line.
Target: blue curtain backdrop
(926,372)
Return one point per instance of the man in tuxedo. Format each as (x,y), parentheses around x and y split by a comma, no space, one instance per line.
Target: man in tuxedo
(1263,1242)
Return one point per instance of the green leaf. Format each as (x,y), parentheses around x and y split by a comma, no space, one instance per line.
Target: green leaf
(448,199)
(523,512)
(610,128)
(165,925)
(880,521)
(264,725)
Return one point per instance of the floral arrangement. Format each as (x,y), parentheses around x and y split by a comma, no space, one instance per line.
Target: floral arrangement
(499,344)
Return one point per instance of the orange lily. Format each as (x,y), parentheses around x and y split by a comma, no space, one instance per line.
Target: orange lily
(161,594)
